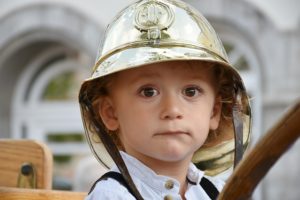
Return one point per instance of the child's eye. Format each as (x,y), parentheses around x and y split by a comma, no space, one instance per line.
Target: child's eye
(149,92)
(192,91)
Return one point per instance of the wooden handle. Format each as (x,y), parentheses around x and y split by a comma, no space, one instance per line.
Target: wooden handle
(7,193)
(14,153)
(262,157)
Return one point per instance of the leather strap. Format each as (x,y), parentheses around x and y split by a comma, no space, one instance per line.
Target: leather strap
(112,150)
(116,176)
(209,188)
(238,126)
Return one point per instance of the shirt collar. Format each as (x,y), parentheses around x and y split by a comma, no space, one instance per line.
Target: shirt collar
(139,171)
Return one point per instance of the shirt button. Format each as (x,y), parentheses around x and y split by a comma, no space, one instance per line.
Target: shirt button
(168,197)
(169,184)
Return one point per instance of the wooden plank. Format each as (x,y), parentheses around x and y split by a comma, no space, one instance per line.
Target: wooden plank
(262,157)
(7,193)
(13,153)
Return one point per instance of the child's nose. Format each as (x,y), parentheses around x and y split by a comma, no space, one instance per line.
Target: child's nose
(171,108)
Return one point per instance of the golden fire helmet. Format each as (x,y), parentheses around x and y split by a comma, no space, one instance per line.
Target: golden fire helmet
(152,31)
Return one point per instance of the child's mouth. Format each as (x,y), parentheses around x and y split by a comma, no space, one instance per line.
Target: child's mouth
(167,133)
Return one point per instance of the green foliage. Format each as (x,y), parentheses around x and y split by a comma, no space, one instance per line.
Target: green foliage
(61,87)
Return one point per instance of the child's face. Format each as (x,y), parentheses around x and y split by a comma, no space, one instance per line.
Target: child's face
(163,111)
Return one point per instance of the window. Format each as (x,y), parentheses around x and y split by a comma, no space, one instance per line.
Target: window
(46,108)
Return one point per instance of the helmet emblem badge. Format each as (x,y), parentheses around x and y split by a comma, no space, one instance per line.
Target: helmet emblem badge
(153,17)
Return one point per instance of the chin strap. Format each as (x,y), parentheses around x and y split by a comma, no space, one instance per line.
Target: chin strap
(237,119)
(111,149)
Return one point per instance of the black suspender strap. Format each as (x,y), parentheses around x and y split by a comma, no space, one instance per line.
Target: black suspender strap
(206,184)
(114,175)
(209,188)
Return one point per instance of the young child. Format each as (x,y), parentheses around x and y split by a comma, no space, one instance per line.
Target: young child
(164,105)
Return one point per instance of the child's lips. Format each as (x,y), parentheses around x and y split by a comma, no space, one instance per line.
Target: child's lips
(166,133)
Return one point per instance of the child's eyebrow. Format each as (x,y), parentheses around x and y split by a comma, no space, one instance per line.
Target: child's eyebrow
(147,75)
(196,77)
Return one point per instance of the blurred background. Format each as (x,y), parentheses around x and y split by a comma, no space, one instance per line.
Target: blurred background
(47,48)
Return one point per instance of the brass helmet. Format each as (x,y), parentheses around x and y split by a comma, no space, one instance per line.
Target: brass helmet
(152,31)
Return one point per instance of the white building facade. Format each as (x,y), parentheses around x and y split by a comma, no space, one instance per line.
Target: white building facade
(48,43)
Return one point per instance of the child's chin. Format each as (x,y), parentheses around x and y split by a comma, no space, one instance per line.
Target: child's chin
(175,156)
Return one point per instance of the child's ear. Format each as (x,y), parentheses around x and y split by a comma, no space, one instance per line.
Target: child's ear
(107,114)
(216,114)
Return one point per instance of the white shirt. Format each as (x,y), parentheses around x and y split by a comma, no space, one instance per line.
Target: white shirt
(151,185)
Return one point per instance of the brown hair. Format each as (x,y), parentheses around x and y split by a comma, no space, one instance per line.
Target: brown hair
(97,89)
